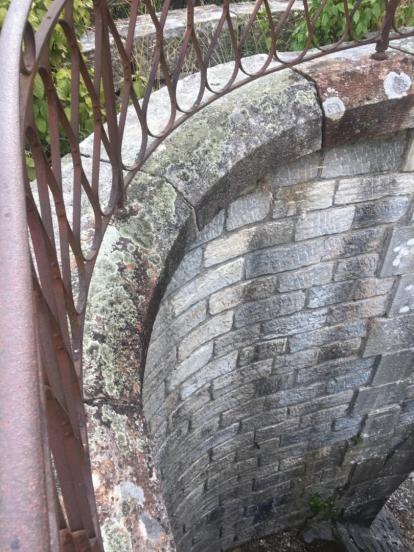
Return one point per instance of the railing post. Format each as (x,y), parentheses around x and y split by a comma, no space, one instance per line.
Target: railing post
(384,40)
(24,516)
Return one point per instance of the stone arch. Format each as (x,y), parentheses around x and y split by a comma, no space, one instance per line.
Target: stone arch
(170,201)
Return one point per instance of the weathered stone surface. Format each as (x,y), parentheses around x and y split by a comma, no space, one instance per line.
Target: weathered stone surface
(319,223)
(308,196)
(353,243)
(382,211)
(390,335)
(235,131)
(301,279)
(321,296)
(369,188)
(394,367)
(327,335)
(362,266)
(214,327)
(295,323)
(356,92)
(280,259)
(304,169)
(400,253)
(248,239)
(403,301)
(207,283)
(379,155)
(211,230)
(371,398)
(248,209)
(137,244)
(130,510)
(265,309)
(258,288)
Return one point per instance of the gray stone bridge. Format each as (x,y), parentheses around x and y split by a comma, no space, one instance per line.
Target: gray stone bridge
(250,338)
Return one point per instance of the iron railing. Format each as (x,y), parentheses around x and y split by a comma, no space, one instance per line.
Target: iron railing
(46,493)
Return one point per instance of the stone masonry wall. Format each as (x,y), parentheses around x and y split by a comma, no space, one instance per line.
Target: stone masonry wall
(280,366)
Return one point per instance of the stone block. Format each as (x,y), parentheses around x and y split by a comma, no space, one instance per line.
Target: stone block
(387,335)
(380,155)
(252,373)
(367,308)
(329,294)
(187,270)
(171,329)
(394,367)
(382,211)
(332,334)
(262,351)
(399,258)
(362,266)
(211,230)
(304,197)
(301,359)
(369,188)
(299,322)
(281,259)
(266,309)
(252,290)
(333,370)
(380,422)
(209,372)
(320,223)
(272,417)
(236,339)
(191,364)
(359,242)
(342,349)
(247,239)
(348,381)
(305,278)
(370,287)
(320,403)
(214,327)
(304,169)
(207,283)
(403,301)
(373,398)
(248,209)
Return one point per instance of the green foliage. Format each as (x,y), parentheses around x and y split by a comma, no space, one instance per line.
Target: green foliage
(59,56)
(356,440)
(324,507)
(330,25)
(405,14)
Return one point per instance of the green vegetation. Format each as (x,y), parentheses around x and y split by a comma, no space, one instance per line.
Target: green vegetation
(324,507)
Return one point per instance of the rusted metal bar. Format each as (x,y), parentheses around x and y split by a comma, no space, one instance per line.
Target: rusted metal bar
(384,39)
(24,504)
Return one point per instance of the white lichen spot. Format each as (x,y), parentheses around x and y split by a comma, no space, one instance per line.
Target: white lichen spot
(403,251)
(404,309)
(129,490)
(334,108)
(397,85)
(409,288)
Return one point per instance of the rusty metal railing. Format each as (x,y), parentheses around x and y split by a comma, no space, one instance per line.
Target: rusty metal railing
(46,262)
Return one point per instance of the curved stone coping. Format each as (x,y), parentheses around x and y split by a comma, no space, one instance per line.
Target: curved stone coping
(208,161)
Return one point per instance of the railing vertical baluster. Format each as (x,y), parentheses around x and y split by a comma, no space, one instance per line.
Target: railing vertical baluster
(24,515)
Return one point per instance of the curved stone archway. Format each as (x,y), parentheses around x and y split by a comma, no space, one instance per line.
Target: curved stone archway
(317,221)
